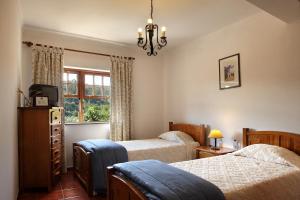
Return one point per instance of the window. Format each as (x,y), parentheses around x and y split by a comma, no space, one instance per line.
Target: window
(87,96)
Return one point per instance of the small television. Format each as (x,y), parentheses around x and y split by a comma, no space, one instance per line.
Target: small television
(45,90)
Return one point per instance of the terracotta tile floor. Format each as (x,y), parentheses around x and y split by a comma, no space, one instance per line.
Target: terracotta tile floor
(68,188)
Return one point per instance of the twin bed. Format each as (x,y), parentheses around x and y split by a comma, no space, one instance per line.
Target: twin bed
(267,168)
(167,150)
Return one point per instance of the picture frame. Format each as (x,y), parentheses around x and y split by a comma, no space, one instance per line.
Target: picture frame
(229,72)
(41,101)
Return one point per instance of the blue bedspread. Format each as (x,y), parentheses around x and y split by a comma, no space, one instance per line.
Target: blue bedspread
(160,181)
(104,153)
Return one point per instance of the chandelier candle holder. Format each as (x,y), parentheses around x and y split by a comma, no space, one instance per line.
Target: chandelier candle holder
(151,31)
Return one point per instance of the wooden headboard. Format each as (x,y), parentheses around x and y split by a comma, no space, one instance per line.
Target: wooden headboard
(289,141)
(197,132)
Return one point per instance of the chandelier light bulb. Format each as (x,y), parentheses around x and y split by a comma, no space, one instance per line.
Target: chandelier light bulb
(140,32)
(163,31)
(149,21)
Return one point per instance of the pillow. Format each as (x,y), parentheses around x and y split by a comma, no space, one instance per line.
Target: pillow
(270,153)
(176,136)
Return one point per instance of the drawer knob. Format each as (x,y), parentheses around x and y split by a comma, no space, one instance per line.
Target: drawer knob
(56,164)
(57,173)
(55,141)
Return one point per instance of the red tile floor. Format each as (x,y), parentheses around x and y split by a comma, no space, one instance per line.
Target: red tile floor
(68,188)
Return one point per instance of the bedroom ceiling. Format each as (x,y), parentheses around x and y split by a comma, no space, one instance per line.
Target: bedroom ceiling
(286,10)
(118,20)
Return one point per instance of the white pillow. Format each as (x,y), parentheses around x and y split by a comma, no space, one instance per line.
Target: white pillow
(270,153)
(176,136)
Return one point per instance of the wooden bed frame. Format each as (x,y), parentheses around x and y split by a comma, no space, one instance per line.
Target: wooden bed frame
(82,158)
(120,188)
(286,140)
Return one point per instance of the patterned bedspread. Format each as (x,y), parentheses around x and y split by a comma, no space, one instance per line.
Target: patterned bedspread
(242,178)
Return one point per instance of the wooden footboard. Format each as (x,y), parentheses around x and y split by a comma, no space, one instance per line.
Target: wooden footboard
(82,167)
(119,188)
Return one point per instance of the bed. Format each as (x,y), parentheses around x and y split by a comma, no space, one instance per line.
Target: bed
(247,174)
(160,149)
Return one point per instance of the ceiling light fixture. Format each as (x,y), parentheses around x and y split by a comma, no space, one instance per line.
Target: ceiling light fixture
(151,30)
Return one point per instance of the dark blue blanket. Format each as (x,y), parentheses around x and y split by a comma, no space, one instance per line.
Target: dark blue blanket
(164,182)
(104,153)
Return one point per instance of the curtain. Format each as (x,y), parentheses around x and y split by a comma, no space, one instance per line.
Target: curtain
(47,66)
(121,86)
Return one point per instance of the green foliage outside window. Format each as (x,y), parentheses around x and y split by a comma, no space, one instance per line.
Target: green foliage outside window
(96,110)
(71,106)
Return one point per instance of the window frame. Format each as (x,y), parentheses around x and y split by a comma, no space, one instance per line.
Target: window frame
(81,90)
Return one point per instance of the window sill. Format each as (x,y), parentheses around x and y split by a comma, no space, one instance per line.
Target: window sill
(86,123)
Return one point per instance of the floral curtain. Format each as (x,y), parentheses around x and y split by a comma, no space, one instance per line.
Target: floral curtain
(121,86)
(47,68)
(47,63)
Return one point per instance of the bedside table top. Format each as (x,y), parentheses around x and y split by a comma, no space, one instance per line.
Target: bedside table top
(221,151)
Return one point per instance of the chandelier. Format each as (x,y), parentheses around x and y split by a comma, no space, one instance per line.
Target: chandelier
(152,44)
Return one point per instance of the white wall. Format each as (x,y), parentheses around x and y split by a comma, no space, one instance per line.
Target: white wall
(10,60)
(147,82)
(75,133)
(270,73)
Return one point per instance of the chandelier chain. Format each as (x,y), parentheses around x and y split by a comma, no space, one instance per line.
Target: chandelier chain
(151,9)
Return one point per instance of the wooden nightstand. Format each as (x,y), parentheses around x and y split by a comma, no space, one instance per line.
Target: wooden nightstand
(206,151)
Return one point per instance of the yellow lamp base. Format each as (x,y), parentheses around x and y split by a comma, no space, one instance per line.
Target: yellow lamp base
(215,147)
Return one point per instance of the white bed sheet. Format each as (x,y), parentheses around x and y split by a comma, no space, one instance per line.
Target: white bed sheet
(159,149)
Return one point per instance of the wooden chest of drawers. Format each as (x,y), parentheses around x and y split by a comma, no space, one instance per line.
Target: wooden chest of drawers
(40,147)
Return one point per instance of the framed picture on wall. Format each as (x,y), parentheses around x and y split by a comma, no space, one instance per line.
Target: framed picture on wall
(229,72)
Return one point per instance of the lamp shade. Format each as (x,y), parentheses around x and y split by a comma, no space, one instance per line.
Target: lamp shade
(215,134)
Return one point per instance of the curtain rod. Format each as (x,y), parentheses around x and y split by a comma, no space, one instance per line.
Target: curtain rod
(29,44)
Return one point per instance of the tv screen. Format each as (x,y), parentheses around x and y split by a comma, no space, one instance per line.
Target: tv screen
(45,90)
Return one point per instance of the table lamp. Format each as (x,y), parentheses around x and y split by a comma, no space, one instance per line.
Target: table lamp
(216,134)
